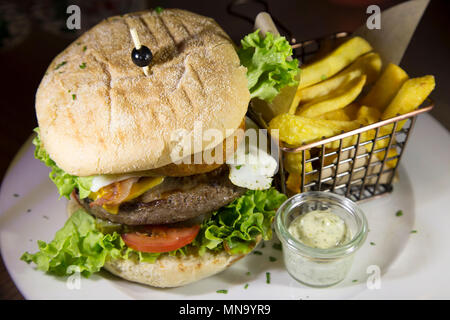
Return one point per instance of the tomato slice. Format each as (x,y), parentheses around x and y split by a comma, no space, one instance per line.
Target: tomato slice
(160,238)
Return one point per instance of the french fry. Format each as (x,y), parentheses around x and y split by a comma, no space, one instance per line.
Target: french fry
(339,114)
(406,102)
(391,153)
(368,64)
(346,114)
(368,115)
(347,142)
(336,99)
(383,143)
(294,181)
(386,87)
(293,162)
(364,116)
(296,130)
(410,96)
(334,62)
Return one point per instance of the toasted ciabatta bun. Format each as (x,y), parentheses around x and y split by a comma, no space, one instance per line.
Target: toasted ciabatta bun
(167,271)
(99,114)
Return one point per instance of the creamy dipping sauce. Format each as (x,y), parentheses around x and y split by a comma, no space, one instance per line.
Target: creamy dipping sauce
(320,229)
(320,232)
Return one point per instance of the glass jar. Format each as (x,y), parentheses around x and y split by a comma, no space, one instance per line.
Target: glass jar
(318,267)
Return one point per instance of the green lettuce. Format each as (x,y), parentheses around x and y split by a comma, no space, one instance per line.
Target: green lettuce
(64,182)
(268,70)
(236,227)
(80,247)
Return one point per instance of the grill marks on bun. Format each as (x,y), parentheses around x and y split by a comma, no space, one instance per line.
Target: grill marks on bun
(121,120)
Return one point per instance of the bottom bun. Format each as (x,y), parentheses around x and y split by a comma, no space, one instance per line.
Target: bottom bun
(167,271)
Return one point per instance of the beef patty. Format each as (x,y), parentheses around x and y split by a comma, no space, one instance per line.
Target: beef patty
(176,199)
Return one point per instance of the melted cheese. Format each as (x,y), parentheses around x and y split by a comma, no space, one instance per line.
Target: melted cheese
(143,185)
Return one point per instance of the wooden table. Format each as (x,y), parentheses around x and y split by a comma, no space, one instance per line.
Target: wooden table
(23,65)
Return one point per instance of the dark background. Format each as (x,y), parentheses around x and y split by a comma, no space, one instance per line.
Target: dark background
(33,32)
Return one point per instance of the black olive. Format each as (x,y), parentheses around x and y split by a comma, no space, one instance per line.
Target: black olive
(141,57)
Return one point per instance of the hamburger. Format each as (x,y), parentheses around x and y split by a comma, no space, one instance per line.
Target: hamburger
(107,132)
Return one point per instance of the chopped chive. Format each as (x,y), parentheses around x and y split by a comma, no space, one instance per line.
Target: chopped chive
(354,280)
(372,243)
(413,231)
(83,65)
(248,273)
(60,65)
(259,253)
(84,48)
(222,291)
(74,96)
(238,167)
(323,77)
(159,9)
(246,286)
(399,213)
(268,277)
(272,259)
(277,246)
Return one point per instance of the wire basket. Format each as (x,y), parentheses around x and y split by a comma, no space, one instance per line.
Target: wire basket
(350,164)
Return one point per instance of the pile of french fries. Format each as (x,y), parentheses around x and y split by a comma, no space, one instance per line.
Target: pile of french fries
(341,91)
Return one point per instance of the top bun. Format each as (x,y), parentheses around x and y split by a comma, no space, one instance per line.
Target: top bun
(99,114)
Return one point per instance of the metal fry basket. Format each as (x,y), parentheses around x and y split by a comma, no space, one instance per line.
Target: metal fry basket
(360,164)
(355,171)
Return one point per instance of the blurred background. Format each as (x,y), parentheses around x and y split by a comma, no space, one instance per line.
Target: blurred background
(33,32)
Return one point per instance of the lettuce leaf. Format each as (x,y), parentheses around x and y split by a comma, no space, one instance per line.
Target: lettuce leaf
(80,247)
(236,226)
(268,70)
(63,181)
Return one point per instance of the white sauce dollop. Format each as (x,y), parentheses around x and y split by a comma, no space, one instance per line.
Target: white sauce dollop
(252,167)
(320,229)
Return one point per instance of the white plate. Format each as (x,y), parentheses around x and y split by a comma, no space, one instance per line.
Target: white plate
(412,265)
